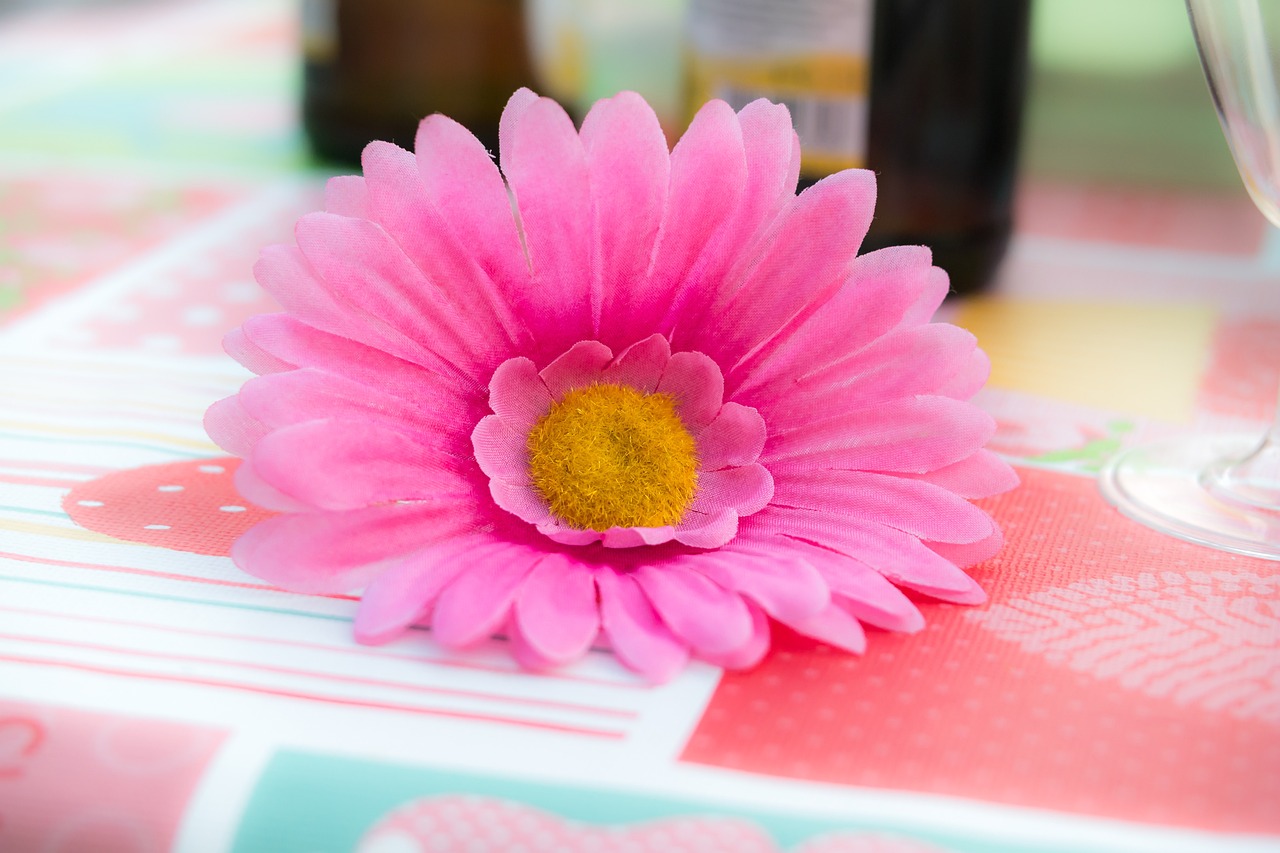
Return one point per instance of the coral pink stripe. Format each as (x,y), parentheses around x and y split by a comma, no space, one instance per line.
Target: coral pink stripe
(27,558)
(474,694)
(54,466)
(298,694)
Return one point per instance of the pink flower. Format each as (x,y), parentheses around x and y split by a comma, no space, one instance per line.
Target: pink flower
(626,395)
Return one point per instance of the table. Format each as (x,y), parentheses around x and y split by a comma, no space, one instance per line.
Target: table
(1119,692)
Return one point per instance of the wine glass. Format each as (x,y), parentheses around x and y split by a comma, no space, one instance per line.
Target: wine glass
(1222,491)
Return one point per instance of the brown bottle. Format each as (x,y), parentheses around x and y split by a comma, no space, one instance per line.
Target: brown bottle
(372,69)
(927,93)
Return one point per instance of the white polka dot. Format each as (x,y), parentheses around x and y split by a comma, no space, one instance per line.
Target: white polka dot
(202,315)
(161,342)
(169,488)
(232,508)
(89,503)
(156,527)
(240,291)
(211,469)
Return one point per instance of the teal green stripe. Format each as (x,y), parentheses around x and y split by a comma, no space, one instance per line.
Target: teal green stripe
(158,597)
(103,442)
(48,512)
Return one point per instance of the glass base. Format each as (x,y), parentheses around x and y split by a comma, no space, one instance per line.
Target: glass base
(1177,488)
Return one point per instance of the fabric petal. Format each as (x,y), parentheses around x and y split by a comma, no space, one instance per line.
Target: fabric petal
(232,428)
(703,530)
(500,451)
(914,507)
(335,552)
(406,592)
(697,386)
(281,399)
(978,476)
(518,395)
(834,626)
(913,435)
(521,501)
(745,490)
(734,438)
(629,168)
(634,537)
(257,491)
(343,463)
(237,345)
(546,169)
(708,617)
(475,604)
(750,653)
(862,591)
(347,195)
(556,610)
(635,631)
(577,368)
(786,586)
(640,365)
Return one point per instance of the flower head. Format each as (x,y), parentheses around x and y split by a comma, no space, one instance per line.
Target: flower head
(611,394)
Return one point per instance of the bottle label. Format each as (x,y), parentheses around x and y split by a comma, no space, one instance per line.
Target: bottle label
(811,55)
(319,20)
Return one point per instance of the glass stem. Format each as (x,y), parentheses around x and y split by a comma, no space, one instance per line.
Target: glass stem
(1253,482)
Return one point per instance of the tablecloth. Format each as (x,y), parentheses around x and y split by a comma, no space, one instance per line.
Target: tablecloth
(1120,691)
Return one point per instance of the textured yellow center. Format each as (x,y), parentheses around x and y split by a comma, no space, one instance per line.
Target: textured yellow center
(611,456)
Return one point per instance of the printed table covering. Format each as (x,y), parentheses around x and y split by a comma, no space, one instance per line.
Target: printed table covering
(1119,692)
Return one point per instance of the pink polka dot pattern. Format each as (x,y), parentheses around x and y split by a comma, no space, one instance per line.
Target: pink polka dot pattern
(968,710)
(486,825)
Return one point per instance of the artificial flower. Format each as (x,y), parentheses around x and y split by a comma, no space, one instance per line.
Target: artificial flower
(612,394)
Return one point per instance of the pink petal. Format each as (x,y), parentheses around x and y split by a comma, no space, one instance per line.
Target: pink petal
(296,343)
(734,438)
(900,557)
(518,395)
(521,501)
(500,451)
(556,611)
(835,627)
(906,361)
(232,428)
(881,286)
(862,591)
(640,365)
(708,179)
(634,537)
(334,552)
(577,368)
(915,435)
(629,168)
(557,531)
(406,592)
(773,577)
(363,266)
(700,530)
(343,464)
(914,507)
(745,490)
(771,152)
(281,399)
(708,617)
(937,286)
(969,379)
(237,345)
(697,386)
(969,555)
(458,293)
(347,195)
(635,631)
(286,274)
(978,476)
(806,260)
(257,491)
(546,168)
(476,603)
(461,179)
(751,652)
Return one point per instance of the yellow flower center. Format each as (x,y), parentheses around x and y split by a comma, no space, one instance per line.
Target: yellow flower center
(611,456)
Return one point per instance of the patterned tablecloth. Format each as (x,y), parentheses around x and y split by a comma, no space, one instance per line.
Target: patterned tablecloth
(1119,692)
